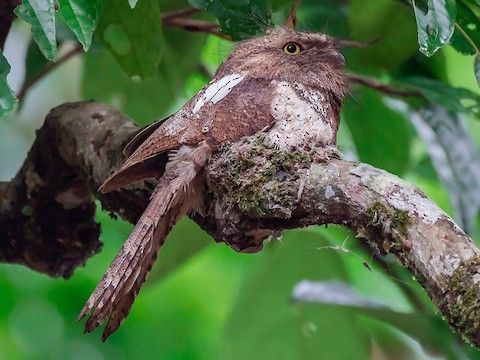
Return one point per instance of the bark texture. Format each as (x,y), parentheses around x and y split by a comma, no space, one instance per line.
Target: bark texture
(47,223)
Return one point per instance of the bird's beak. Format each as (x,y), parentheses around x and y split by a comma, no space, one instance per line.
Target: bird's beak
(339,58)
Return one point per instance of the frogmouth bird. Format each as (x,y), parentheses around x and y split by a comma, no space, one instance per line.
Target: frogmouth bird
(288,84)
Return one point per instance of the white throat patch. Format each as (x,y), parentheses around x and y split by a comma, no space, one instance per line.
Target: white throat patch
(300,117)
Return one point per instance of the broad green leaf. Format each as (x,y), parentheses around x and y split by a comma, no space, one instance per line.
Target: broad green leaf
(264,324)
(40,14)
(333,293)
(435,24)
(81,16)
(451,98)
(468,25)
(133,36)
(278,4)
(7,96)
(454,155)
(239,19)
(314,14)
(395,41)
(472,2)
(381,136)
(427,329)
(151,98)
(477,68)
(34,62)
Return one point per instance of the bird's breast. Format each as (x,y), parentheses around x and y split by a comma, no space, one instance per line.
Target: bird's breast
(301,117)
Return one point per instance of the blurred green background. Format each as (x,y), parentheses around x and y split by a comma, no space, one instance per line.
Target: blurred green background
(203,300)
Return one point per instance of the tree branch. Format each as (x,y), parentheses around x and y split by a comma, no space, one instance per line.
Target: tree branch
(385,88)
(46,212)
(291,21)
(27,85)
(180,19)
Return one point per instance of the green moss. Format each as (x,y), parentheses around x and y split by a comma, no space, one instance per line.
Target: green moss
(460,301)
(379,214)
(400,221)
(262,180)
(381,220)
(375,213)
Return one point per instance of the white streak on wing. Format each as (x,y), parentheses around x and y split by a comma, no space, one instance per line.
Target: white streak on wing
(218,90)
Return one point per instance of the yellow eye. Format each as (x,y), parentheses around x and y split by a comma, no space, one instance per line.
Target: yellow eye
(291,48)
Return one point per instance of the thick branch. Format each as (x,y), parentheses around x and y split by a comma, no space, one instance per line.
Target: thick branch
(255,190)
(47,211)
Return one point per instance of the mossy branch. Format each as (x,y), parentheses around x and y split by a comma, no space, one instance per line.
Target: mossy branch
(254,190)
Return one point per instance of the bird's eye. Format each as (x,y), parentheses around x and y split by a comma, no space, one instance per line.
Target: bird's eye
(291,48)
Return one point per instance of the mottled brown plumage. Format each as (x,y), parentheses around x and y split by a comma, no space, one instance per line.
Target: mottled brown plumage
(288,84)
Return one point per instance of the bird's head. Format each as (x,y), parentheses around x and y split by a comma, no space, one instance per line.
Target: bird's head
(287,55)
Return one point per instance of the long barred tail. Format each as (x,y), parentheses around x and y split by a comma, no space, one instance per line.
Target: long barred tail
(114,295)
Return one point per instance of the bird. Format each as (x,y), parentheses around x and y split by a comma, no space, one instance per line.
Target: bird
(288,84)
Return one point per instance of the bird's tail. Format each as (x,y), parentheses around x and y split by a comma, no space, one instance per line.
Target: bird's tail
(178,191)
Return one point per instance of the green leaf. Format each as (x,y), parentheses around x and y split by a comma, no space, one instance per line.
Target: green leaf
(454,155)
(151,98)
(381,136)
(132,36)
(333,293)
(34,62)
(314,14)
(468,25)
(435,24)
(477,68)
(239,19)
(40,14)
(264,324)
(451,98)
(7,96)
(81,16)
(132,3)
(474,3)
(395,41)
(427,329)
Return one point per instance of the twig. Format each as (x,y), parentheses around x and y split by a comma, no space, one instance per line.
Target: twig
(467,38)
(182,13)
(46,70)
(173,19)
(291,21)
(387,89)
(194,25)
(354,43)
(180,18)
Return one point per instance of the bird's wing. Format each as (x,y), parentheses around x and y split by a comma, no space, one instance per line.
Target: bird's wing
(225,110)
(148,151)
(142,135)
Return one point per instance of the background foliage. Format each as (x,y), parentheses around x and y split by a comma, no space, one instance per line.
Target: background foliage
(204,301)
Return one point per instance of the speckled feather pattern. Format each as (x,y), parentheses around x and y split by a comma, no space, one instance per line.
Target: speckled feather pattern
(295,100)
